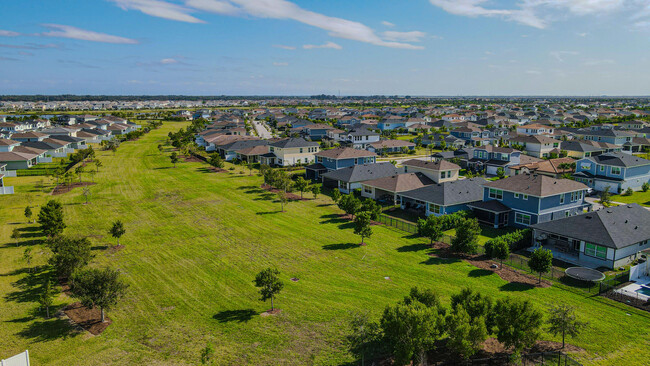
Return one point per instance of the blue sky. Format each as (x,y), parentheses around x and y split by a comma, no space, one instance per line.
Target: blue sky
(360,47)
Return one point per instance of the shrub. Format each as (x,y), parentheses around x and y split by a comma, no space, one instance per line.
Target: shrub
(645,187)
(628,192)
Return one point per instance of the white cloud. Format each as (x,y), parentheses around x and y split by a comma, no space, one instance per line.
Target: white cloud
(331,45)
(6,33)
(414,36)
(66,31)
(387,24)
(599,62)
(169,61)
(272,9)
(583,34)
(284,47)
(280,64)
(559,55)
(160,9)
(533,72)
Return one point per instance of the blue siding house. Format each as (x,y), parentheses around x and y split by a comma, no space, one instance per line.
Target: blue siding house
(528,199)
(491,158)
(334,159)
(443,198)
(618,171)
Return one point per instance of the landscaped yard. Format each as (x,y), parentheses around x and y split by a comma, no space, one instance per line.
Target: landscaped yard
(193,244)
(642,198)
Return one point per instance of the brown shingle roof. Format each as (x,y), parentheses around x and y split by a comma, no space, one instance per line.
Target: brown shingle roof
(391,143)
(5,142)
(536,185)
(344,153)
(400,182)
(431,165)
(255,150)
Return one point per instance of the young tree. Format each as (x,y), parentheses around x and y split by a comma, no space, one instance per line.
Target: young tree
(215,160)
(541,261)
(117,230)
(518,323)
(28,213)
(563,321)
(98,164)
(46,297)
(315,190)
(364,336)
(50,217)
(86,193)
(15,234)
(160,147)
(27,256)
(282,197)
(430,228)
(475,304)
(372,207)
(497,248)
(362,226)
(206,354)
(466,335)
(605,196)
(174,158)
(78,171)
(269,284)
(466,240)
(98,287)
(349,204)
(501,173)
(301,185)
(250,165)
(336,195)
(69,254)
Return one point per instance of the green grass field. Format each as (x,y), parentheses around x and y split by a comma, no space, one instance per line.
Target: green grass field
(194,242)
(640,197)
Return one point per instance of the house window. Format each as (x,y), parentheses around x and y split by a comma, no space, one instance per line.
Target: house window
(567,213)
(442,175)
(516,195)
(562,198)
(525,196)
(367,189)
(616,170)
(496,193)
(319,159)
(522,218)
(301,150)
(601,168)
(597,251)
(435,208)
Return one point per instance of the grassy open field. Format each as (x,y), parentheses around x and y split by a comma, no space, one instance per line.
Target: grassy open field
(194,242)
(640,197)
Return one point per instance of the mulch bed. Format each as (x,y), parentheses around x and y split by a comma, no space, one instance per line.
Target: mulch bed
(192,159)
(271,312)
(291,196)
(443,250)
(64,188)
(88,319)
(217,170)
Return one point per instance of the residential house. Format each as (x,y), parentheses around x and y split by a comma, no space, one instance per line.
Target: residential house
(443,198)
(361,137)
(291,151)
(535,129)
(3,188)
(230,151)
(29,136)
(555,168)
(387,188)
(579,149)
(490,158)
(616,137)
(390,146)
(611,237)
(439,171)
(349,179)
(333,159)
(618,171)
(537,146)
(252,154)
(526,199)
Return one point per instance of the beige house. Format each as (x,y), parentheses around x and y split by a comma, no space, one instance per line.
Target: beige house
(291,151)
(438,171)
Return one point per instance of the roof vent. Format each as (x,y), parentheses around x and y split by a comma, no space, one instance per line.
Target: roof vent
(588,217)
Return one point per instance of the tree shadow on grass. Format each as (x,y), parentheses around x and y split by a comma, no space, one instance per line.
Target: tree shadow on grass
(341,246)
(479,272)
(347,225)
(163,167)
(48,330)
(268,212)
(516,286)
(324,205)
(99,247)
(30,229)
(438,260)
(413,248)
(265,197)
(248,187)
(29,287)
(240,316)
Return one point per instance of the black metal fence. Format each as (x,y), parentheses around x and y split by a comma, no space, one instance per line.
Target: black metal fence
(398,224)
(556,358)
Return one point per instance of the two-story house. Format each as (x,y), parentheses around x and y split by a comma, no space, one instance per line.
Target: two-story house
(333,159)
(443,198)
(527,199)
(615,170)
(439,171)
(535,129)
(350,178)
(291,151)
(491,158)
(361,138)
(616,137)
(537,146)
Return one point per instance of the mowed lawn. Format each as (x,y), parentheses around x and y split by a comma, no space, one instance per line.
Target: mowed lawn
(195,241)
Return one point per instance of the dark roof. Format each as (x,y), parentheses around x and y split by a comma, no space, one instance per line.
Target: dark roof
(536,185)
(492,206)
(431,165)
(619,159)
(613,227)
(344,153)
(449,193)
(400,182)
(363,172)
(317,167)
(294,142)
(578,146)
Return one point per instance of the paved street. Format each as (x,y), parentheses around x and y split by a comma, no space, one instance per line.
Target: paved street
(262,129)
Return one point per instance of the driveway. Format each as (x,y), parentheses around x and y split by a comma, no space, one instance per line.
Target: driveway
(262,129)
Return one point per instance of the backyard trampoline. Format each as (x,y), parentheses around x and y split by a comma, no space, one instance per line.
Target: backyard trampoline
(584,274)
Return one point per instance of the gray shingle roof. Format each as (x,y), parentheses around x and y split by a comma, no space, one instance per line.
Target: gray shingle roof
(536,185)
(613,227)
(619,159)
(294,142)
(449,193)
(362,172)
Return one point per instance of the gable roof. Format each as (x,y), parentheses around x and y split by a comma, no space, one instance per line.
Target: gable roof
(345,153)
(449,193)
(294,142)
(536,185)
(363,172)
(619,159)
(6,142)
(431,165)
(613,227)
(391,143)
(400,182)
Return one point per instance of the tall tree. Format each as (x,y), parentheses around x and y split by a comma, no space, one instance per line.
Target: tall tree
(269,283)
(69,254)
(562,320)
(364,335)
(301,185)
(541,261)
(28,213)
(430,228)
(46,297)
(466,335)
(98,287)
(50,217)
(362,226)
(174,158)
(518,323)
(466,240)
(117,230)
(475,304)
